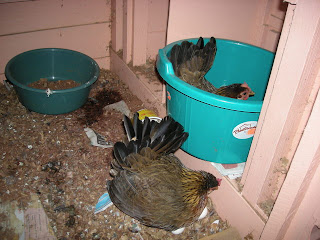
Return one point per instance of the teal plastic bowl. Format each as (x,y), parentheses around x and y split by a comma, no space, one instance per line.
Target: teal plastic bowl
(220,128)
(52,64)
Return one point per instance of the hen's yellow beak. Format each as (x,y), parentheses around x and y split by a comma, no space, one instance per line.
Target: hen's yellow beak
(251,93)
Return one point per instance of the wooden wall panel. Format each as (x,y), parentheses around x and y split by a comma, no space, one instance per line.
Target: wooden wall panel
(94,44)
(140,29)
(117,24)
(30,16)
(140,32)
(156,41)
(157,26)
(298,201)
(254,22)
(272,24)
(127,30)
(308,213)
(81,25)
(232,19)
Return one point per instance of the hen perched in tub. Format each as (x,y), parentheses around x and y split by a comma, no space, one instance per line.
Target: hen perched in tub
(191,62)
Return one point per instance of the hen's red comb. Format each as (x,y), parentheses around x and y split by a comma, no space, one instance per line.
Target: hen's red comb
(219,181)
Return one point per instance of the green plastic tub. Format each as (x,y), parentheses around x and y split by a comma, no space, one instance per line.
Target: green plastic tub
(220,128)
(52,64)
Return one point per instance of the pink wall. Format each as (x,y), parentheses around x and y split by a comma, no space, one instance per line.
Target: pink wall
(244,21)
(308,214)
(81,25)
(139,31)
(139,28)
(157,26)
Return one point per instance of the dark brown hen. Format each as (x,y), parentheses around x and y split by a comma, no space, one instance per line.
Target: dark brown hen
(191,62)
(150,184)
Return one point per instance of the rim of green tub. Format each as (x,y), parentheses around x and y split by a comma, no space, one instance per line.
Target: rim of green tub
(96,72)
(165,69)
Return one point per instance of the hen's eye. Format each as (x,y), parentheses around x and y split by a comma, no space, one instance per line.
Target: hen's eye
(245,93)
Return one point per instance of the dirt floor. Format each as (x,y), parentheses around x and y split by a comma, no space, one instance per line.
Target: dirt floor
(51,156)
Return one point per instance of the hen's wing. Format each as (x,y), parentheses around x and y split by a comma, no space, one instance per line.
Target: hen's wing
(192,61)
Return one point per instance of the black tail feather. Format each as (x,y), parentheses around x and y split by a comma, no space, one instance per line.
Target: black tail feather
(120,151)
(162,128)
(177,144)
(163,138)
(137,126)
(170,144)
(146,127)
(145,142)
(133,146)
(156,142)
(200,43)
(175,51)
(128,128)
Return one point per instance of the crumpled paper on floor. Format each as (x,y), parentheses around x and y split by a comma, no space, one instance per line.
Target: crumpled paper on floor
(97,139)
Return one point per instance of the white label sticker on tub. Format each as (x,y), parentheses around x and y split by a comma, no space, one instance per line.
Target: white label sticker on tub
(245,130)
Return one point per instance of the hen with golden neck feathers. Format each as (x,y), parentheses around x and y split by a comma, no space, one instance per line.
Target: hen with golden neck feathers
(150,184)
